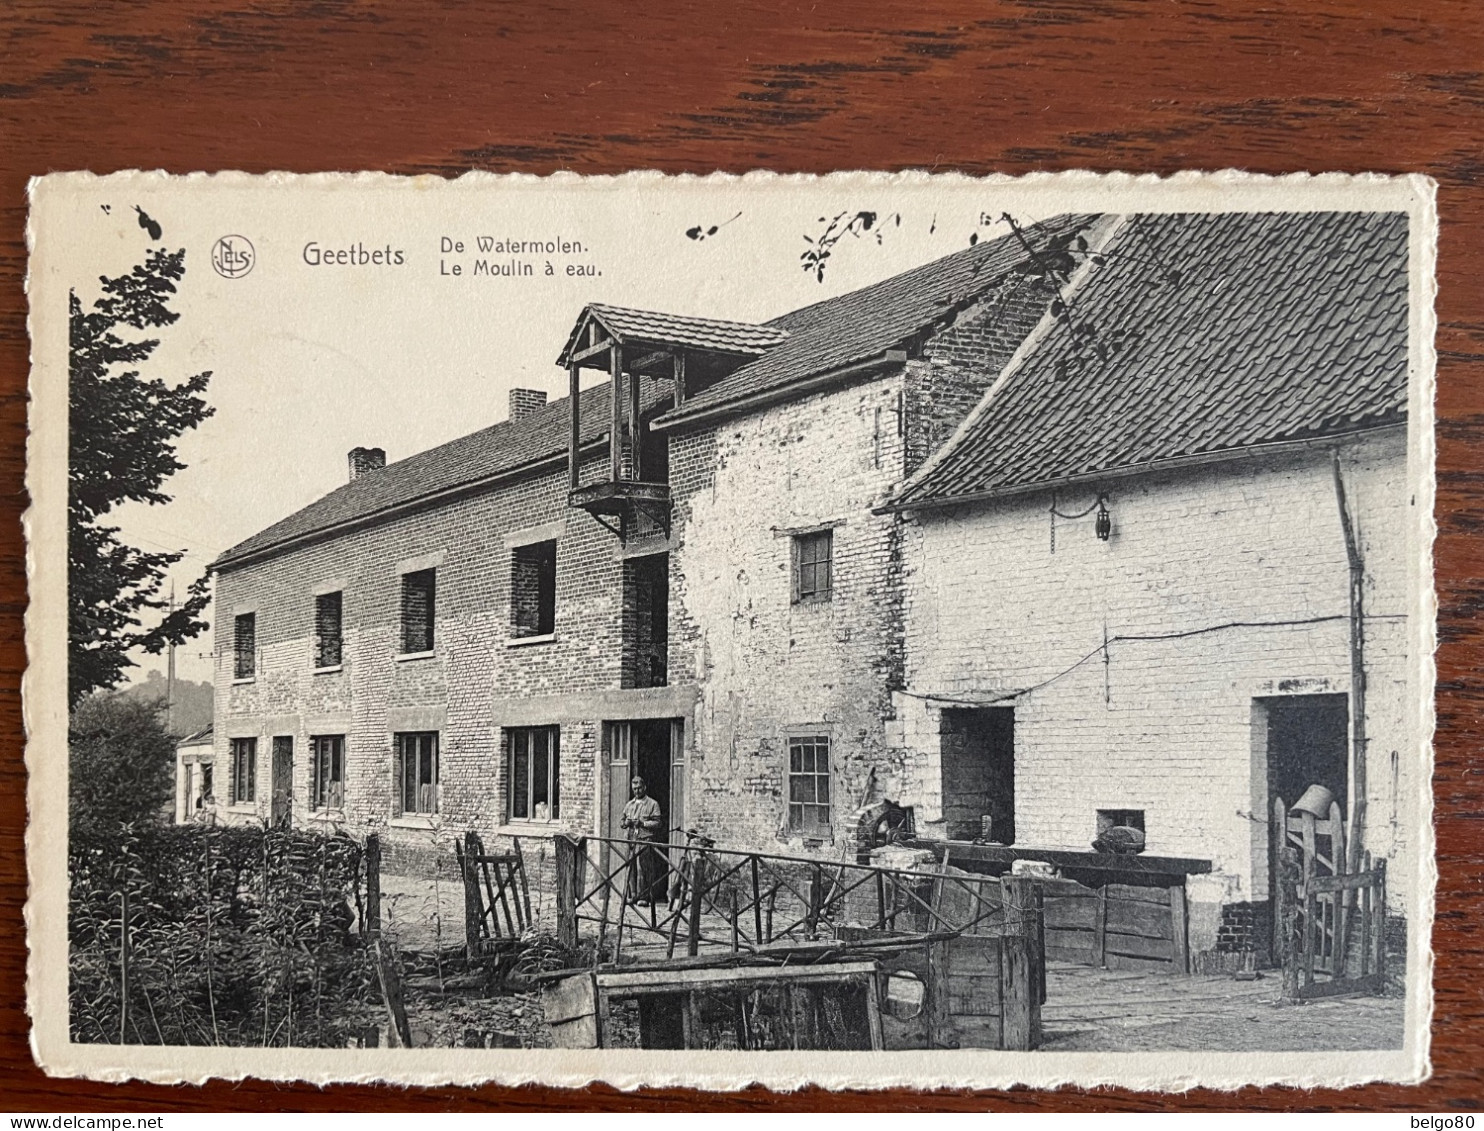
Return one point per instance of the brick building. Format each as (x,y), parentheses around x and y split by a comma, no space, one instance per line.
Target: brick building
(763,565)
(1128,579)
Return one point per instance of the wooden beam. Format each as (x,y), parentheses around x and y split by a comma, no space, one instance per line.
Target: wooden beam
(615,434)
(679,378)
(591,352)
(573,390)
(636,472)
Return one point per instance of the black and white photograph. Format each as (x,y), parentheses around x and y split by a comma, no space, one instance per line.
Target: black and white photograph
(856,630)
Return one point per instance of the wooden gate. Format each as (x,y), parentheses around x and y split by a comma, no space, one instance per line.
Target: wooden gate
(1329,926)
(497,902)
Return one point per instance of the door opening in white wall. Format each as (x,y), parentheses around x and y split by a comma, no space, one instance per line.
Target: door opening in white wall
(978,755)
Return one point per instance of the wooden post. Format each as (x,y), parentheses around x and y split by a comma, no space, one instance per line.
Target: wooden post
(574,388)
(1178,928)
(635,470)
(373,883)
(1289,944)
(1380,898)
(1020,990)
(525,890)
(679,361)
(391,991)
(566,892)
(1100,927)
(757,907)
(473,905)
(615,442)
(697,890)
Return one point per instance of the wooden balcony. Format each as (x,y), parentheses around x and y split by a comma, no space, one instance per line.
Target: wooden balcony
(617,503)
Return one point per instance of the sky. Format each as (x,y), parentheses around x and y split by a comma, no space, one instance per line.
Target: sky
(310,360)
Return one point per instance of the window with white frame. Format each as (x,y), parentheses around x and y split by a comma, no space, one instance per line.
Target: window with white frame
(327,772)
(416,771)
(534,773)
(809,785)
(244,768)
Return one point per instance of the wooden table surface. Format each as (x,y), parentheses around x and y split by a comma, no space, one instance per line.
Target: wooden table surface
(980,86)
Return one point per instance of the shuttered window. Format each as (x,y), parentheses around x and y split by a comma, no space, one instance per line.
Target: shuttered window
(814,566)
(244,768)
(809,785)
(245,646)
(416,771)
(327,651)
(327,772)
(535,773)
(419,602)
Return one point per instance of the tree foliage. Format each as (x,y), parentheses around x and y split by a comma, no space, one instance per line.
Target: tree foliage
(122,769)
(122,449)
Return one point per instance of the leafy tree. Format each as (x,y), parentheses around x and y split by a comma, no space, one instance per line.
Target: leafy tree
(122,765)
(123,432)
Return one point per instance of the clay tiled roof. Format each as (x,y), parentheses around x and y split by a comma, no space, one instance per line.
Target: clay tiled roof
(1221,332)
(866,323)
(501,449)
(745,338)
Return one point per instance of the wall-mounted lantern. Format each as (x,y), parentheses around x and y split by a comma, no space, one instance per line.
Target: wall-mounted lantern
(1104,520)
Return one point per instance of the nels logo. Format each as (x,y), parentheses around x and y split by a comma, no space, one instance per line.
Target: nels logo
(233,256)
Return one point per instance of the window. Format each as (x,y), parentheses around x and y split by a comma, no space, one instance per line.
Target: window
(1120,818)
(327,771)
(533,589)
(419,600)
(244,771)
(813,565)
(535,774)
(327,650)
(809,785)
(245,646)
(417,773)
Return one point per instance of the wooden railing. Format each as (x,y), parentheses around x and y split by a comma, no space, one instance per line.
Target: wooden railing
(683,899)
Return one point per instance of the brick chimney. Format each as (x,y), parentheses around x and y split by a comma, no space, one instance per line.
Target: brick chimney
(363,460)
(523,402)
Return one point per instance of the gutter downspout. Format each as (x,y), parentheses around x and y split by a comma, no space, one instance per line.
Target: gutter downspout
(1357,672)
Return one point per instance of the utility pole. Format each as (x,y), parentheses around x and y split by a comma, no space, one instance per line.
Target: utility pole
(170,679)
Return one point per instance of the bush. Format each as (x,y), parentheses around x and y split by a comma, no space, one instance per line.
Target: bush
(235,936)
(122,765)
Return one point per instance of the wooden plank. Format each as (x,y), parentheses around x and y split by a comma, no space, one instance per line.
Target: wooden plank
(1327,885)
(1179,929)
(1140,946)
(1083,942)
(571,1008)
(391,991)
(1138,893)
(666,979)
(1127,917)
(1071,912)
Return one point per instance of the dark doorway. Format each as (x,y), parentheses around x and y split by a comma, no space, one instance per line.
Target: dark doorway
(1308,744)
(650,748)
(979,773)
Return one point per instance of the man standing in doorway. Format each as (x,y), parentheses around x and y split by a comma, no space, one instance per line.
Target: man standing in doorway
(641,822)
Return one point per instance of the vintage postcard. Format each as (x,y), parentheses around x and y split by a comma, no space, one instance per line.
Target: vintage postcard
(863,630)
